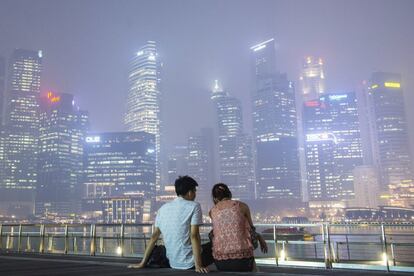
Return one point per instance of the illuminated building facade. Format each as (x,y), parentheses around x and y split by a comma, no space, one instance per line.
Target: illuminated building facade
(177,163)
(390,140)
(312,81)
(118,164)
(201,164)
(2,88)
(126,209)
(62,134)
(235,147)
(312,78)
(332,146)
(21,132)
(274,127)
(143,107)
(366,187)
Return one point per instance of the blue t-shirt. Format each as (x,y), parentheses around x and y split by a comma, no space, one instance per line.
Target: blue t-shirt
(174,219)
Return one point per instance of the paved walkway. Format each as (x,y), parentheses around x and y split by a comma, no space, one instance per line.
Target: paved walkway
(39,265)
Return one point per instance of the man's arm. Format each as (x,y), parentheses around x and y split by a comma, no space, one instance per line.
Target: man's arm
(148,250)
(196,244)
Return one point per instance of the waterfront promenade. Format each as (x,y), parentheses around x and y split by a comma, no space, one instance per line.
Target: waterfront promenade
(12,264)
(307,249)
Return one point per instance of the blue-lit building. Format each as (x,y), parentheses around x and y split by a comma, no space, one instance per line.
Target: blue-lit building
(390,140)
(332,146)
(235,147)
(62,131)
(274,127)
(117,164)
(17,188)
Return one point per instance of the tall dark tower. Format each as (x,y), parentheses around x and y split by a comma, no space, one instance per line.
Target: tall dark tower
(21,132)
(2,88)
(274,127)
(390,140)
(235,147)
(62,133)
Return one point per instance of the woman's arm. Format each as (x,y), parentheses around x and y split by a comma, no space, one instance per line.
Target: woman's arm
(246,212)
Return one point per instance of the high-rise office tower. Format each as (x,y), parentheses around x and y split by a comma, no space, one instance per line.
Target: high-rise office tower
(333,146)
(62,134)
(201,164)
(118,164)
(235,148)
(177,163)
(312,78)
(22,131)
(390,140)
(143,107)
(2,133)
(2,88)
(274,127)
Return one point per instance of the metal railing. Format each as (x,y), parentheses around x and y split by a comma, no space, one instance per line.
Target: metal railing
(388,247)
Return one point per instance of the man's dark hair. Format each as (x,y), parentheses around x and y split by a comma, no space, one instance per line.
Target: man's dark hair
(220,191)
(184,184)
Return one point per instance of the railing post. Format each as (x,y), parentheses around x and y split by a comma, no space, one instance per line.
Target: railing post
(42,239)
(93,240)
(276,247)
(325,247)
(384,246)
(122,239)
(1,236)
(393,254)
(330,245)
(66,239)
(347,247)
(19,239)
(28,244)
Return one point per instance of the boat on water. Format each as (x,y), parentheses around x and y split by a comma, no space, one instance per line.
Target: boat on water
(287,234)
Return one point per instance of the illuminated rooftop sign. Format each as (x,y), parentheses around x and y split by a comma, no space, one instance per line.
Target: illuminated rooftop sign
(52,97)
(318,137)
(93,139)
(261,45)
(338,97)
(392,84)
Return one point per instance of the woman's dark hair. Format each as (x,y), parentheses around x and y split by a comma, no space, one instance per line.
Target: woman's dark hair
(220,191)
(184,184)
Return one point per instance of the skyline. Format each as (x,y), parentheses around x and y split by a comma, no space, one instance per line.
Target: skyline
(188,74)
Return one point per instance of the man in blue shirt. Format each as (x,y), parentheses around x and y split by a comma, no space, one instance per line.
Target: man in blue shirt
(178,221)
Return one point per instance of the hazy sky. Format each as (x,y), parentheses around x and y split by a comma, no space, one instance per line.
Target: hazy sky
(88,44)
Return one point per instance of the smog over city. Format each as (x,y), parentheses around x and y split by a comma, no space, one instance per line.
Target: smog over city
(302,108)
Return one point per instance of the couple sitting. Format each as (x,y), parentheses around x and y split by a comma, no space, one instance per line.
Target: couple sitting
(179,221)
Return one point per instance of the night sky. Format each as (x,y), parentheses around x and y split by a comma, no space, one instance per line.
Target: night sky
(88,44)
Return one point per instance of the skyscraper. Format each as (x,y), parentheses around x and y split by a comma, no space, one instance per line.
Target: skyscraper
(201,164)
(2,88)
(333,146)
(390,140)
(118,164)
(62,134)
(22,131)
(312,78)
(235,147)
(143,107)
(274,127)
